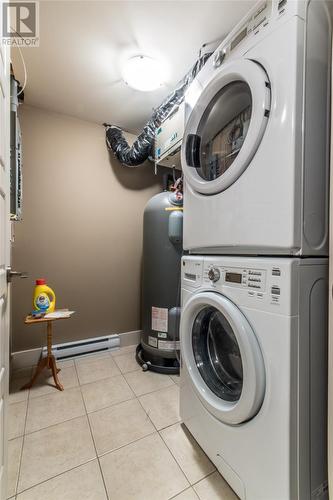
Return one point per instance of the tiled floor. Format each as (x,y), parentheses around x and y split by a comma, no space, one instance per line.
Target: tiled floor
(113,434)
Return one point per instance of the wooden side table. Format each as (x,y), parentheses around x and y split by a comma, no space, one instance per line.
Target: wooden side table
(49,361)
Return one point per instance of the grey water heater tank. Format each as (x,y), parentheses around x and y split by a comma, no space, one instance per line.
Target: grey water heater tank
(162,251)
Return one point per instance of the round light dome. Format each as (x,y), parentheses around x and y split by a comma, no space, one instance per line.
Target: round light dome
(143,73)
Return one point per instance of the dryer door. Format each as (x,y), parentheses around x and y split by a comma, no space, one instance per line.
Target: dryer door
(223,357)
(226,126)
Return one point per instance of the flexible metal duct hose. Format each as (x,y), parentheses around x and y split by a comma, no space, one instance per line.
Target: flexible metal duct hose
(142,148)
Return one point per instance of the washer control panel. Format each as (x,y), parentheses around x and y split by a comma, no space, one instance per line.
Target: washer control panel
(214,274)
(262,283)
(251,279)
(255,279)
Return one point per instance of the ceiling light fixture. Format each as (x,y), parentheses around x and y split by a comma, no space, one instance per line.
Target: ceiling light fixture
(143,73)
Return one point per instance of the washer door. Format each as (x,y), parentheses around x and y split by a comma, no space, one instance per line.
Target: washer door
(226,126)
(223,357)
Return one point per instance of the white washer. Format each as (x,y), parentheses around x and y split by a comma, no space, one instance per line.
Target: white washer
(255,153)
(254,371)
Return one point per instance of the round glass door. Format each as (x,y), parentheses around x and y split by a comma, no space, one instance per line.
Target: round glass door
(217,354)
(226,126)
(222,357)
(223,129)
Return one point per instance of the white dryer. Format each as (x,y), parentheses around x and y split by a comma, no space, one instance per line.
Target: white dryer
(254,371)
(255,153)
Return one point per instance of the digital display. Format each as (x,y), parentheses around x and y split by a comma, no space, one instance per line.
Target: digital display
(233,277)
(238,38)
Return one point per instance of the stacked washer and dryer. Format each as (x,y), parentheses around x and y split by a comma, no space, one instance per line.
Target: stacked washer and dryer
(255,158)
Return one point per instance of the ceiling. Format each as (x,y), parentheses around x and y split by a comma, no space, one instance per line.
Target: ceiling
(76,68)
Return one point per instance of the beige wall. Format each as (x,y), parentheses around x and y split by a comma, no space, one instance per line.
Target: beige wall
(82,229)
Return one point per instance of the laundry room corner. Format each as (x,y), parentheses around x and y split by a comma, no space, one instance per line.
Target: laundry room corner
(81,228)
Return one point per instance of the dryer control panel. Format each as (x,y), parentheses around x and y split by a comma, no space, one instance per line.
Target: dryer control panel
(262,19)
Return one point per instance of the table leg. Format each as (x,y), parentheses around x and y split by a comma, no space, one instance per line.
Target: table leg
(47,362)
(55,374)
(51,363)
(42,363)
(49,343)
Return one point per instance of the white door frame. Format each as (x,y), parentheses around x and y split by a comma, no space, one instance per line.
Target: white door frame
(5,236)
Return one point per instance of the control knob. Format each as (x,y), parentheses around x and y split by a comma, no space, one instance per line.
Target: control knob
(214,274)
(218,58)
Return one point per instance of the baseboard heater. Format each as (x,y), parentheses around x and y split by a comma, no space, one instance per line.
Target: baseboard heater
(84,347)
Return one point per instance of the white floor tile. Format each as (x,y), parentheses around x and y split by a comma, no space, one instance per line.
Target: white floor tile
(123,350)
(145,382)
(58,452)
(119,425)
(16,419)
(16,395)
(54,408)
(193,461)
(65,363)
(14,455)
(91,358)
(21,373)
(127,362)
(54,450)
(93,369)
(83,483)
(106,392)
(176,379)
(214,487)
(162,406)
(188,494)
(142,470)
(45,383)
